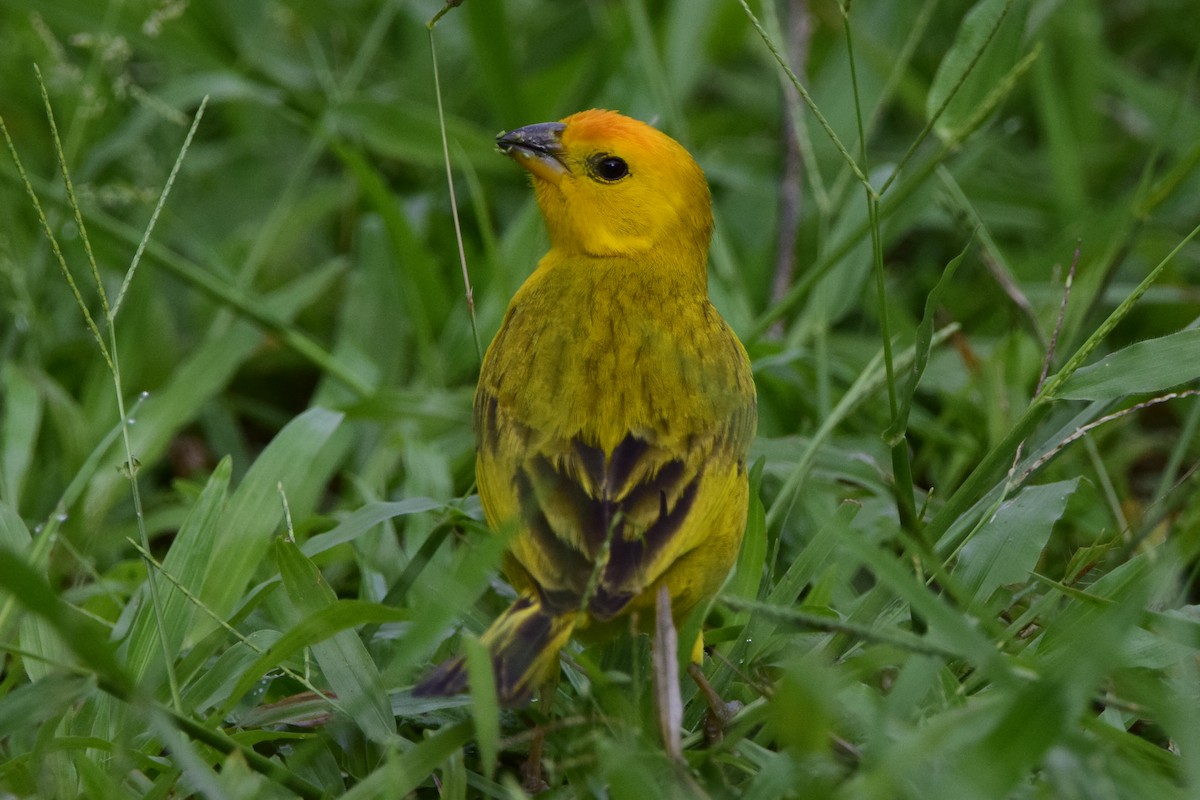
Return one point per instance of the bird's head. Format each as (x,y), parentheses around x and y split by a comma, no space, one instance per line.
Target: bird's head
(609,185)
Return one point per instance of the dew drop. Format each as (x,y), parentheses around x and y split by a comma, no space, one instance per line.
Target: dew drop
(61,516)
(143,395)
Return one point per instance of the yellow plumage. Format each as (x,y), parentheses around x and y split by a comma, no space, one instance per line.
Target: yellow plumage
(615,407)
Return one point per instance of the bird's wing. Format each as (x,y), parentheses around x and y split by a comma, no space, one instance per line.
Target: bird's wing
(595,529)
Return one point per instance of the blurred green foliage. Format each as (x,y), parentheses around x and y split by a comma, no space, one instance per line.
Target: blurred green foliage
(299,328)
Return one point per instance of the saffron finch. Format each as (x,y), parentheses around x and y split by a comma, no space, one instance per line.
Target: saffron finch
(615,406)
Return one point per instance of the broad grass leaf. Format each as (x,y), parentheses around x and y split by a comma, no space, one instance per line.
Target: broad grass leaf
(1090,637)
(193,384)
(1147,650)
(805,705)
(503,83)
(951,529)
(800,573)
(198,657)
(485,707)
(914,682)
(366,518)
(424,290)
(13,533)
(1153,365)
(20,421)
(214,684)
(1007,548)
(29,705)
(316,627)
(1031,722)
(1080,647)
(757,629)
(985,48)
(921,348)
(234,780)
(86,637)
(443,596)
(776,774)
(905,764)
(37,635)
(409,132)
(403,772)
(374,290)
(454,777)
(948,627)
(748,573)
(687,24)
(1180,627)
(293,459)
(632,771)
(343,657)
(188,562)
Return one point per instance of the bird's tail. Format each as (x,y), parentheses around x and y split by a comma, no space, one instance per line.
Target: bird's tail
(523,643)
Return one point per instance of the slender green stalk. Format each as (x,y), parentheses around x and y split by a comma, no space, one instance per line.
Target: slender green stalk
(835,253)
(941,109)
(131,468)
(442,12)
(906,505)
(235,298)
(805,621)
(55,248)
(162,199)
(1119,313)
(867,382)
(462,253)
(222,743)
(812,105)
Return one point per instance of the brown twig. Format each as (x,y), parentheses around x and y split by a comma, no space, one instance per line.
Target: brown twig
(1010,287)
(791,187)
(1083,430)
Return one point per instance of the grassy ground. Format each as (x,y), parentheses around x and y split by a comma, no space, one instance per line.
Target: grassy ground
(238,477)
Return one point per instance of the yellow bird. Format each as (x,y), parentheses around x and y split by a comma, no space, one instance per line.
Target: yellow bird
(615,406)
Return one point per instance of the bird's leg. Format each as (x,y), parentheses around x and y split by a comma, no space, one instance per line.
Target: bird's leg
(533,777)
(719,713)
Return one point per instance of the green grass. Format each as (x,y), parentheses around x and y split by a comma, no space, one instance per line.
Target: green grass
(237,518)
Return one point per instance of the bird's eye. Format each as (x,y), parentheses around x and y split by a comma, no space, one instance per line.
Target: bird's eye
(610,168)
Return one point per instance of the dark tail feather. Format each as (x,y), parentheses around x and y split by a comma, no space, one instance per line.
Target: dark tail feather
(523,643)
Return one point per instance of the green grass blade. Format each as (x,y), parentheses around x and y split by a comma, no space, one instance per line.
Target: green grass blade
(189,561)
(404,772)
(344,659)
(1007,548)
(87,639)
(1153,365)
(298,459)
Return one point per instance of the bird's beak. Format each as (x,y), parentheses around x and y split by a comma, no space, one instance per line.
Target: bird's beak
(538,148)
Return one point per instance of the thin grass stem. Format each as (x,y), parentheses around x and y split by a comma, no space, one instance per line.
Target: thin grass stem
(162,199)
(954,90)
(458,238)
(808,100)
